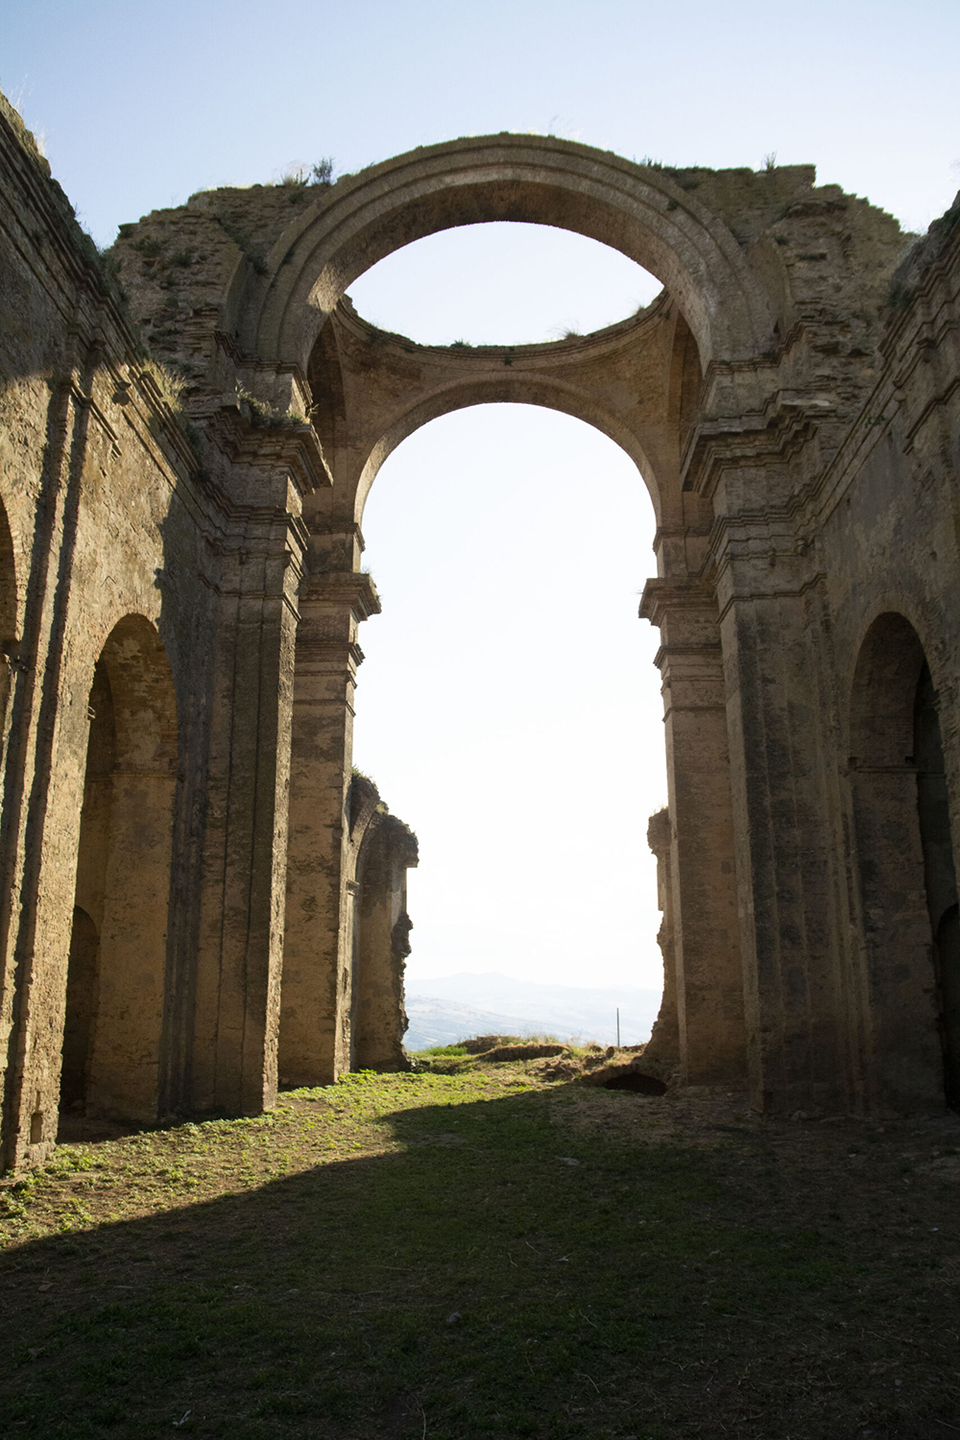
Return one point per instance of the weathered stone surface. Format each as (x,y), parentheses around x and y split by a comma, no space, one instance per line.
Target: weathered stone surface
(382,943)
(198,900)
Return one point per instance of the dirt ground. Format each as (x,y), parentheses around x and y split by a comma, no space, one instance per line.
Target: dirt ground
(496,1252)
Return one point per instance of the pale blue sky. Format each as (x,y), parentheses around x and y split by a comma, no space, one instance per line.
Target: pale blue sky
(510,544)
(143,104)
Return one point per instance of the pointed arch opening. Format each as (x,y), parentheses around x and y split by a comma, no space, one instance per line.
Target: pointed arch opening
(115,982)
(907,870)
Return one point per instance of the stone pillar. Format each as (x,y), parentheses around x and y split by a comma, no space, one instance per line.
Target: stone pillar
(314,1026)
(379,1021)
(711,1032)
(663,1047)
(782,723)
(234,1065)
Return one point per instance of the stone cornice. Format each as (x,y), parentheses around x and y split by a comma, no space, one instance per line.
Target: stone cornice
(291,446)
(679,650)
(787,422)
(349,588)
(663,595)
(624,334)
(328,652)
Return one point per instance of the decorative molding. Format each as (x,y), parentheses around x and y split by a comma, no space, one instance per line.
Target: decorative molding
(661,596)
(353,588)
(292,446)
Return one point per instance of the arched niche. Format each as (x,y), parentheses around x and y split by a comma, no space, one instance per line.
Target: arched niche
(638,210)
(115,983)
(907,877)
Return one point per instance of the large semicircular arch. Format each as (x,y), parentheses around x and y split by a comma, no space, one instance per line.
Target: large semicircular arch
(549,394)
(636,209)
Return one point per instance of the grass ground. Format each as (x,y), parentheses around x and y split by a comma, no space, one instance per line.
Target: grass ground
(487,1254)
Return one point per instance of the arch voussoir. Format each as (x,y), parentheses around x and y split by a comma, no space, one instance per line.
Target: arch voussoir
(639,210)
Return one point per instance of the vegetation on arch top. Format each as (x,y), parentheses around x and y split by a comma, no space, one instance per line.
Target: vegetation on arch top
(179,266)
(747,200)
(257,214)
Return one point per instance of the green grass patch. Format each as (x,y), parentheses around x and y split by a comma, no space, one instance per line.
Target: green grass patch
(484,1255)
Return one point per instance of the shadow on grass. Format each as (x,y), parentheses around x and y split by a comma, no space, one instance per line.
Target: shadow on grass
(498,1275)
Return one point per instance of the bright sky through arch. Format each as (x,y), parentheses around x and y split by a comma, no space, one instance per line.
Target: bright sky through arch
(501,284)
(508,706)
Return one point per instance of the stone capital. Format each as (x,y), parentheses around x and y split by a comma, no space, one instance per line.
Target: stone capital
(351,590)
(764,438)
(690,657)
(664,598)
(288,444)
(327,653)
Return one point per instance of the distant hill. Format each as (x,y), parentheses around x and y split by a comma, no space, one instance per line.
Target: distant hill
(454,1007)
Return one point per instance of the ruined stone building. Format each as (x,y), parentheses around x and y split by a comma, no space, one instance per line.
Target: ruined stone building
(199,902)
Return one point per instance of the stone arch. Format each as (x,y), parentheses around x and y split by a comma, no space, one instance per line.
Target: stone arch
(907,879)
(638,210)
(544,392)
(115,983)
